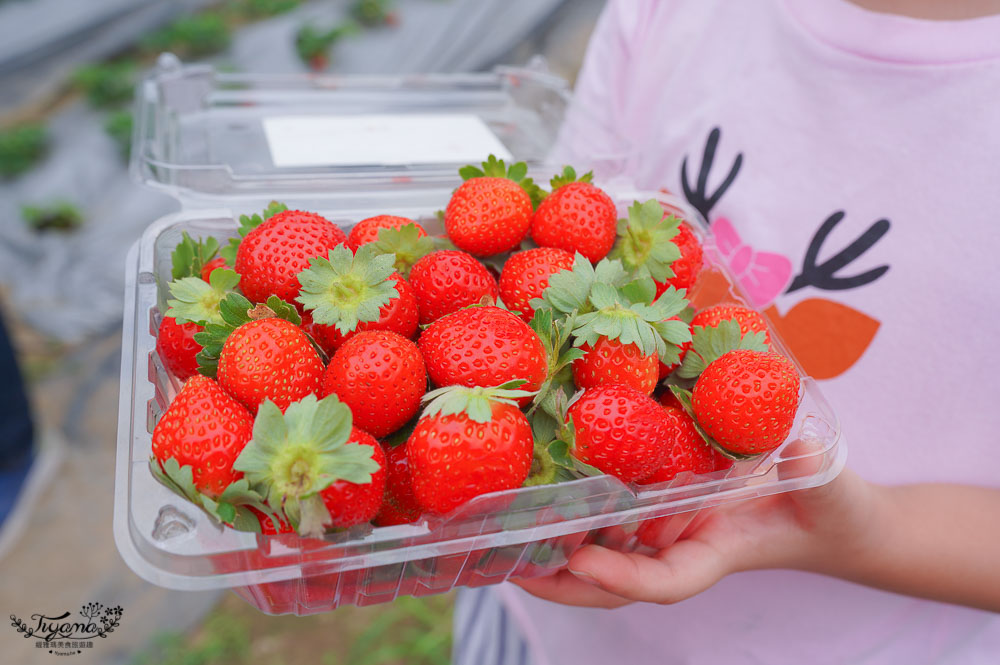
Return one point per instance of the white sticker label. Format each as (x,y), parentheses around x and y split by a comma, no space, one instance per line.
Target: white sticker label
(365,140)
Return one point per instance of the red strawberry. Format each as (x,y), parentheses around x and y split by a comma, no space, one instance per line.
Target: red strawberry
(381,377)
(313,466)
(400,505)
(689,451)
(352,503)
(746,400)
(369,230)
(483,346)
(526,274)
(347,293)
(750,321)
(469,441)
(176,347)
(577,217)
(272,255)
(490,212)
(446,281)
(610,361)
(206,429)
(688,266)
(665,369)
(206,271)
(267,358)
(620,431)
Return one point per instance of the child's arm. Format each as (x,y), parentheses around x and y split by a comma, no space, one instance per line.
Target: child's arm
(933,541)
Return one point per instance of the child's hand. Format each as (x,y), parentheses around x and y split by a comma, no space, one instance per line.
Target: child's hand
(934,541)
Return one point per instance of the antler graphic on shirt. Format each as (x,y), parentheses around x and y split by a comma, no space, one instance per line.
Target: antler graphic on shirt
(699,197)
(824,275)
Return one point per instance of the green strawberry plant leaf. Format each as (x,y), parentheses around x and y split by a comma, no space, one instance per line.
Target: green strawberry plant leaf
(248,223)
(567,176)
(644,240)
(347,288)
(196,300)
(569,290)
(294,456)
(684,397)
(191,255)
(711,343)
(406,244)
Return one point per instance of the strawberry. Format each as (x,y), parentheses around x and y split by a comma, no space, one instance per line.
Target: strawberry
(400,504)
(577,217)
(688,452)
(313,467)
(746,400)
(646,242)
(526,275)
(408,244)
(483,346)
(750,321)
(446,281)
(370,229)
(618,430)
(177,348)
(726,333)
(272,255)
(611,361)
(490,212)
(468,442)
(256,355)
(347,292)
(208,268)
(206,429)
(688,266)
(381,376)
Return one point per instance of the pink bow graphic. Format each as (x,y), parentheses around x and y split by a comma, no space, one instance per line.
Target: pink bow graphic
(763,275)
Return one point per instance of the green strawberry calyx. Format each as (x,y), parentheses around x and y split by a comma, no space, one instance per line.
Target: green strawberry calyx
(235,310)
(644,240)
(196,300)
(711,343)
(294,456)
(495,168)
(630,316)
(191,255)
(247,224)
(556,337)
(476,402)
(684,397)
(569,290)
(568,176)
(231,507)
(346,288)
(544,470)
(406,244)
(561,449)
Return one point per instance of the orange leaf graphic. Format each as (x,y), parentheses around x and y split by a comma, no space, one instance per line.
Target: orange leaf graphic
(826,337)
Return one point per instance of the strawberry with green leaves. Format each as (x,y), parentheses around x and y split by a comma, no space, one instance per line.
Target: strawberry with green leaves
(468,442)
(618,430)
(526,275)
(370,229)
(345,293)
(445,281)
(646,242)
(686,268)
(577,217)
(483,346)
(709,343)
(750,321)
(313,467)
(688,451)
(273,253)
(490,212)
(260,353)
(381,376)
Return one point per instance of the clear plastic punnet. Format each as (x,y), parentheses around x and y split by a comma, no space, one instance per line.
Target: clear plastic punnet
(516,533)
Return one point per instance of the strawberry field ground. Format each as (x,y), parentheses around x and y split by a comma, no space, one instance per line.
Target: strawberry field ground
(61,295)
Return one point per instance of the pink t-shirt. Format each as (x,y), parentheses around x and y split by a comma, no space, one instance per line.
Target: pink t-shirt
(850,163)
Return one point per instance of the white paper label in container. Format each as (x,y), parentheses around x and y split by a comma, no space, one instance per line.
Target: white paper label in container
(366,140)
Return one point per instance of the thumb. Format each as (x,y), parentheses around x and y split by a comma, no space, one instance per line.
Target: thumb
(683,570)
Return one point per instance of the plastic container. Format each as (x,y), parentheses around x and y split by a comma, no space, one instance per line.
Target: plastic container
(524,532)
